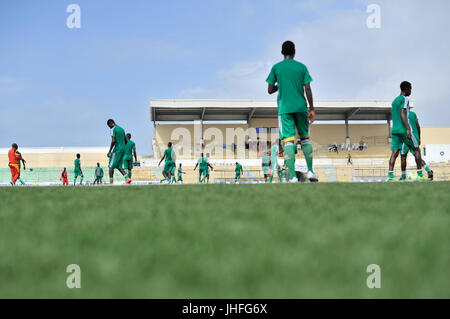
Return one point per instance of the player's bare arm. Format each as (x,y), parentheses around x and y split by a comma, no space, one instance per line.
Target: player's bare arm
(272,88)
(309,97)
(113,142)
(418,131)
(135,156)
(196,165)
(212,168)
(162,159)
(405,122)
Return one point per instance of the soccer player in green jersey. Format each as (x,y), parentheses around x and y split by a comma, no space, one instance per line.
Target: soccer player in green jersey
(265,164)
(203,165)
(292,80)
(180,174)
(238,171)
(77,170)
(116,151)
(98,175)
(402,131)
(169,164)
(274,166)
(207,174)
(130,152)
(24,167)
(415,131)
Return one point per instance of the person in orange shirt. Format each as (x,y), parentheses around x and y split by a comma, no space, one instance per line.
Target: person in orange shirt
(64,178)
(14,163)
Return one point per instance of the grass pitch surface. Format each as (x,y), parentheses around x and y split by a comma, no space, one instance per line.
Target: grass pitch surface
(226,241)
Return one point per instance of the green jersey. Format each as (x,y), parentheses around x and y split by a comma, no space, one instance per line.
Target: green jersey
(265,160)
(203,163)
(291,77)
(129,150)
(77,165)
(119,134)
(169,155)
(20,162)
(180,172)
(401,102)
(238,168)
(412,121)
(98,172)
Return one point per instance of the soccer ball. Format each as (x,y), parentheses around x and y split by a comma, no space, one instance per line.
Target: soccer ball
(412,176)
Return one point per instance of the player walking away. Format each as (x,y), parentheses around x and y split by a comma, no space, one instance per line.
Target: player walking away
(402,131)
(14,158)
(415,131)
(203,165)
(169,164)
(77,170)
(292,80)
(349,159)
(130,152)
(275,167)
(98,175)
(180,174)
(266,167)
(116,151)
(64,177)
(24,167)
(238,170)
(207,167)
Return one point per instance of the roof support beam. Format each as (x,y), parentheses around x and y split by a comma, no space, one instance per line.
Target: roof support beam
(350,114)
(252,112)
(203,113)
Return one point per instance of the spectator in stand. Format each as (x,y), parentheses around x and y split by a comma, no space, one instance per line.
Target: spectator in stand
(361,145)
(349,159)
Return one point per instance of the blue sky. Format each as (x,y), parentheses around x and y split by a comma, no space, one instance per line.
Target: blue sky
(59,85)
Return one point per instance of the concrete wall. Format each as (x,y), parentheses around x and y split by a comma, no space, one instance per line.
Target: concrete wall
(435,135)
(321,134)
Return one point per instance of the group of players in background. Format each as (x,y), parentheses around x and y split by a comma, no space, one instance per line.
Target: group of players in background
(291,79)
(121,153)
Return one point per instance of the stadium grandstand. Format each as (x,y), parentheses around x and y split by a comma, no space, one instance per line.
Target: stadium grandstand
(235,130)
(230,131)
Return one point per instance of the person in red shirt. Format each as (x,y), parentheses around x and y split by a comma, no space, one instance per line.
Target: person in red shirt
(14,163)
(64,178)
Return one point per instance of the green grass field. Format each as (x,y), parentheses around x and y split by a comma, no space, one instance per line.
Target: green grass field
(227,241)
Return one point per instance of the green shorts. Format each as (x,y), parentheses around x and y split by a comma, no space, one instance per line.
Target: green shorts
(128,163)
(116,160)
(78,173)
(180,178)
(238,175)
(405,149)
(202,172)
(169,167)
(98,178)
(266,170)
(290,123)
(398,139)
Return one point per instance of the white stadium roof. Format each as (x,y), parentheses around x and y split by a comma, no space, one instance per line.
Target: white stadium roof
(236,110)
